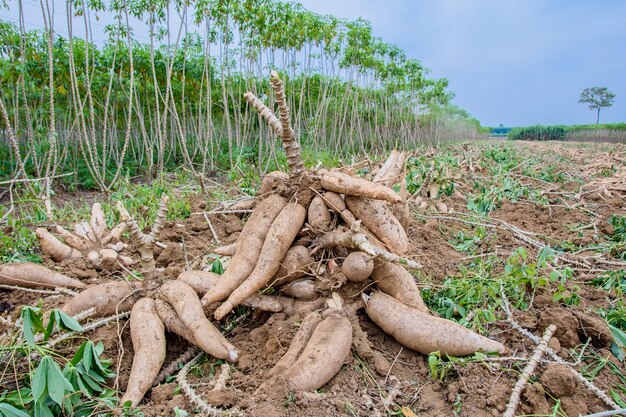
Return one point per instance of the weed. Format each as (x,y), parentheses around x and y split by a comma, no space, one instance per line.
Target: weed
(490,195)
(17,242)
(473,298)
(468,243)
(612,281)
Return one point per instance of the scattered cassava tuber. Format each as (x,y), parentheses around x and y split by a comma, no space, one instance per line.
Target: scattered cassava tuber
(30,275)
(358,266)
(423,332)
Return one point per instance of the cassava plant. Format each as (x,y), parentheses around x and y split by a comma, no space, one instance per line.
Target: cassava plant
(319,237)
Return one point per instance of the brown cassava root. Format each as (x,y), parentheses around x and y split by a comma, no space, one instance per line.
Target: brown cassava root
(309,234)
(423,332)
(355,239)
(31,275)
(91,240)
(148,335)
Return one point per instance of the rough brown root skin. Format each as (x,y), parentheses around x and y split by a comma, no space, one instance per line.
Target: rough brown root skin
(441,207)
(30,275)
(318,215)
(402,210)
(292,307)
(283,231)
(379,220)
(354,239)
(115,234)
(203,281)
(185,302)
(357,266)
(172,322)
(243,205)
(249,247)
(273,181)
(394,280)
(107,299)
(148,335)
(200,281)
(226,250)
(302,289)
(423,332)
(83,230)
(320,360)
(343,183)
(362,346)
(392,170)
(76,242)
(295,264)
(98,221)
(264,302)
(338,205)
(298,343)
(52,246)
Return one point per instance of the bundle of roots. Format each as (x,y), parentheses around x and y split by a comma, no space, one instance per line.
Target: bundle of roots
(328,241)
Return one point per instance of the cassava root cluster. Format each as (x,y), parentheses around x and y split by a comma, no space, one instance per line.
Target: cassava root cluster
(321,238)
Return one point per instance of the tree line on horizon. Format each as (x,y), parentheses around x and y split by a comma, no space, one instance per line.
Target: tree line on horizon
(128,107)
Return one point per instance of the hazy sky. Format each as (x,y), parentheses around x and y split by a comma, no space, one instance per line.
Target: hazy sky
(515,62)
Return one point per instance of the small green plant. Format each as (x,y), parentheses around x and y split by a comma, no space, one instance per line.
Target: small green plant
(505,158)
(217,267)
(77,389)
(473,298)
(618,238)
(440,366)
(437,170)
(615,244)
(180,412)
(560,290)
(468,242)
(490,195)
(17,242)
(612,281)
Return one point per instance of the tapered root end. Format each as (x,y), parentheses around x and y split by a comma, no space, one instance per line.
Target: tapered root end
(223,310)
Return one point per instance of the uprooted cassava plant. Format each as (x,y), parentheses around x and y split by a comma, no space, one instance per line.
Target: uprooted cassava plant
(319,237)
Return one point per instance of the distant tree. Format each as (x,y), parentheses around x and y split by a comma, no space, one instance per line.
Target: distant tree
(597,98)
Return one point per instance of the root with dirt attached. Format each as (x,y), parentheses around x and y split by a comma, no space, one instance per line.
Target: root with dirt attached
(351,241)
(90,240)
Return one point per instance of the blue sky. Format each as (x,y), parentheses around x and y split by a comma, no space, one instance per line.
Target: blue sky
(515,62)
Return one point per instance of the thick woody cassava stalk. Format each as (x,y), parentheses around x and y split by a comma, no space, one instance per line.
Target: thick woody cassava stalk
(291,145)
(145,243)
(264,112)
(528,371)
(280,127)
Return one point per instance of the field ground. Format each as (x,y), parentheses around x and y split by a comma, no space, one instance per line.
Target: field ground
(537,228)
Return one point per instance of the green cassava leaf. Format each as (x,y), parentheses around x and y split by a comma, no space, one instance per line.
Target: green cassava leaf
(7,410)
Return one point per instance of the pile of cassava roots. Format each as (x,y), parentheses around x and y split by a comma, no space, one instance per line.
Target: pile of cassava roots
(320,244)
